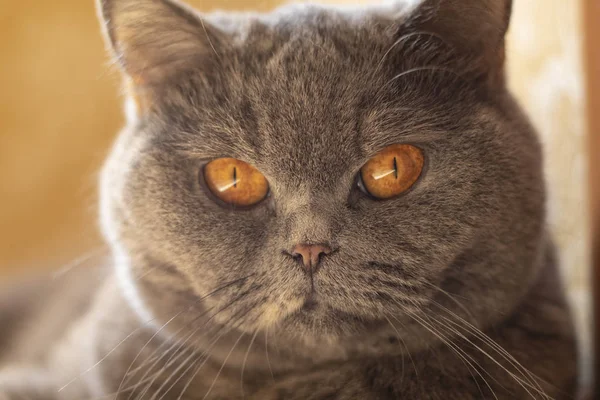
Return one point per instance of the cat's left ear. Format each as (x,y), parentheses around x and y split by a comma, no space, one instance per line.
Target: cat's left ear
(476,28)
(154,41)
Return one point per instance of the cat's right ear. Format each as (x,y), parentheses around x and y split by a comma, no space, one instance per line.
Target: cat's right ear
(154,41)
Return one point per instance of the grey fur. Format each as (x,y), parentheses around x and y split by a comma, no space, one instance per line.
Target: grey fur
(307,95)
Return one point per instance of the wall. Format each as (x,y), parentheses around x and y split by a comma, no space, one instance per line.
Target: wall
(591,11)
(59,112)
(547,77)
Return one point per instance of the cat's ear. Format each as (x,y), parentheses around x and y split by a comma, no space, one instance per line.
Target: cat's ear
(474,27)
(477,24)
(154,40)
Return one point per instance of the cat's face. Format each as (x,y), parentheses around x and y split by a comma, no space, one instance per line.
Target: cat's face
(307,97)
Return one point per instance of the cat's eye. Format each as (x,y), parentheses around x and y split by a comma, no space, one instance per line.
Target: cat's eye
(235,182)
(393,171)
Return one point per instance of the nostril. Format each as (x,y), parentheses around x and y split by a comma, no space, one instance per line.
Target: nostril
(320,256)
(310,254)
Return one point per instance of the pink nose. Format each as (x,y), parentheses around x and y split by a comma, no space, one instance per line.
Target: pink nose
(311,254)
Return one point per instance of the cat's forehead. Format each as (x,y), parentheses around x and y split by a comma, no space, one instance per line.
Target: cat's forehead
(293,128)
(301,97)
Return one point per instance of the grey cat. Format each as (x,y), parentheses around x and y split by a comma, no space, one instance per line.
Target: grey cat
(306,276)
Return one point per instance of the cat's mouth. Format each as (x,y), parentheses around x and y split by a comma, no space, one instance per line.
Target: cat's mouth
(310,303)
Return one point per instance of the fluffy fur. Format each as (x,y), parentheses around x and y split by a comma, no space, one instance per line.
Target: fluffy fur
(449,291)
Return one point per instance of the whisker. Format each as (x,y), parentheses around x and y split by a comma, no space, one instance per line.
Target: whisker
(154,358)
(419,69)
(402,39)
(222,329)
(533,384)
(523,383)
(204,356)
(157,374)
(78,262)
(432,324)
(465,358)
(219,333)
(208,38)
(143,347)
(106,356)
(145,324)
(176,371)
(452,298)
(470,328)
(223,365)
(267,353)
(245,360)
(176,354)
(171,319)
(195,373)
(185,362)
(151,378)
(406,347)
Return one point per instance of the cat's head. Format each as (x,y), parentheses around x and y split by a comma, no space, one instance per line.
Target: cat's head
(259,181)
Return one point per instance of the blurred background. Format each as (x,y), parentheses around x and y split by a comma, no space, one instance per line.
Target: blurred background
(60,109)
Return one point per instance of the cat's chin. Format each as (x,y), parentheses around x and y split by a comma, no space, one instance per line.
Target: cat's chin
(316,317)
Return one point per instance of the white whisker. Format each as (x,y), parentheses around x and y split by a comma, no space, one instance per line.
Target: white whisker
(104,357)
(419,69)
(486,339)
(245,360)
(406,347)
(267,354)
(402,39)
(465,358)
(78,262)
(223,365)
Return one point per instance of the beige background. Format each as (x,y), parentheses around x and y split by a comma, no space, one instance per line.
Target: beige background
(546,75)
(60,110)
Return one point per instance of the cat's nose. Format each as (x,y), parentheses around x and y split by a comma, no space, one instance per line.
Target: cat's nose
(310,254)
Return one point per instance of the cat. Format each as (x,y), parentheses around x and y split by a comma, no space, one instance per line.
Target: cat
(315,203)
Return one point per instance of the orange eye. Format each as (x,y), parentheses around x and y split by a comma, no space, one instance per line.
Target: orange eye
(235,182)
(392,171)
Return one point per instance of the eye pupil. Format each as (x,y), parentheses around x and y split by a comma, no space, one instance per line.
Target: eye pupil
(395,168)
(235,177)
